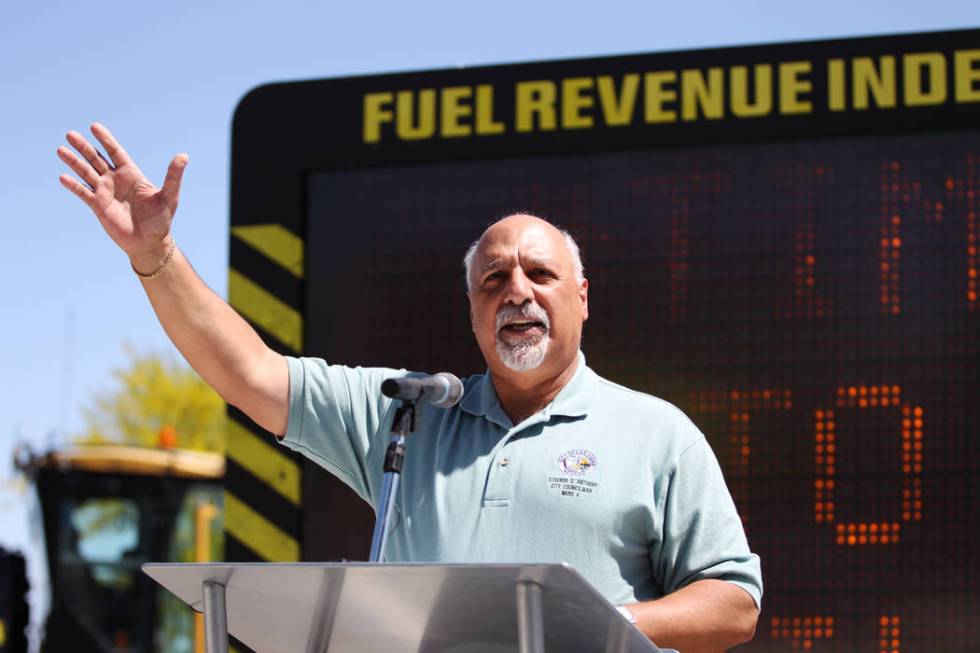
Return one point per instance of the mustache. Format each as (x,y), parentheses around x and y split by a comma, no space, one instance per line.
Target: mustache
(508,313)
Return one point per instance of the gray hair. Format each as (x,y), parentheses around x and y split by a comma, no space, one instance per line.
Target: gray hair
(569,242)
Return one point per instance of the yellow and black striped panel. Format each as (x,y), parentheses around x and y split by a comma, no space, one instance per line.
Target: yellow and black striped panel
(263,498)
(263,481)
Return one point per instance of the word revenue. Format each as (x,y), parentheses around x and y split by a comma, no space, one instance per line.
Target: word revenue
(787,88)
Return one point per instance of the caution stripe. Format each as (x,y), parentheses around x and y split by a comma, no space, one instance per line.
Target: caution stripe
(263,461)
(235,551)
(267,273)
(263,497)
(277,243)
(266,310)
(258,533)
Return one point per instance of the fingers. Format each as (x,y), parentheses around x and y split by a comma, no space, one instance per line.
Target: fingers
(79,166)
(112,147)
(83,192)
(171,185)
(86,149)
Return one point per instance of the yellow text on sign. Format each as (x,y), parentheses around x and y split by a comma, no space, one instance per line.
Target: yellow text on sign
(739,91)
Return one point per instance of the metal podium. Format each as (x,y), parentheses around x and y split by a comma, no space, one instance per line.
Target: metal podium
(400,608)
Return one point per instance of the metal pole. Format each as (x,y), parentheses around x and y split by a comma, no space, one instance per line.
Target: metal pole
(215,618)
(203,514)
(530,618)
(388,492)
(405,422)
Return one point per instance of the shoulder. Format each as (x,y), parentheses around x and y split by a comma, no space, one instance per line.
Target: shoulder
(644,414)
(319,366)
(621,396)
(313,374)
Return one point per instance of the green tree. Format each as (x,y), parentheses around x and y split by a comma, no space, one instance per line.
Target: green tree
(157,399)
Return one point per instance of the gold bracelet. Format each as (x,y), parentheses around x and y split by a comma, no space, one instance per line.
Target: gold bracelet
(159,270)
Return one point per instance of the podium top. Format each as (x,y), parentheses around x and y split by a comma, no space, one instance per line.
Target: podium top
(402,608)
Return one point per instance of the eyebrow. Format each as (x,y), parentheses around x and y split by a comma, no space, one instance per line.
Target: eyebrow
(497,263)
(491,265)
(543,261)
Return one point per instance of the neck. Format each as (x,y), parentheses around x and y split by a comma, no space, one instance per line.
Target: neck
(522,394)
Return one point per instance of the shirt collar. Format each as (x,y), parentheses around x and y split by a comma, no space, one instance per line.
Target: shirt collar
(573,400)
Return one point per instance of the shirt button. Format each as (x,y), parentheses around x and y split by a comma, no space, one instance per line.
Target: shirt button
(504,461)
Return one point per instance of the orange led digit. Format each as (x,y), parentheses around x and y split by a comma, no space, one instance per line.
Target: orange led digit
(889,634)
(802,631)
(892,194)
(863,533)
(804,183)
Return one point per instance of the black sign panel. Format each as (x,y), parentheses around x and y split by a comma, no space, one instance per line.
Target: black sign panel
(781,240)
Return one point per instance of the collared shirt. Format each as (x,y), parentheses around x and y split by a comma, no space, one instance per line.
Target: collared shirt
(617,483)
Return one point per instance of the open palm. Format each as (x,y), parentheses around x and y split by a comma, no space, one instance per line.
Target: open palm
(136,214)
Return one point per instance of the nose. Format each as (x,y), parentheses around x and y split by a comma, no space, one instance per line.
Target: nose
(519,290)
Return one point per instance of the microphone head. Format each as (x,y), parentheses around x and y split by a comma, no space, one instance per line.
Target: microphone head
(454,392)
(391,388)
(442,390)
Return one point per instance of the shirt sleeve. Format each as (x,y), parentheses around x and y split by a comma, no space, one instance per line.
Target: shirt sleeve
(339,419)
(702,533)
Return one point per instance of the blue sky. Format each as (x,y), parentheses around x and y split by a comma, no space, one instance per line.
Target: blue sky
(166,77)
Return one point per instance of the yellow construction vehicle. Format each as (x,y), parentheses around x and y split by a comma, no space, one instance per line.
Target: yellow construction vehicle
(106,510)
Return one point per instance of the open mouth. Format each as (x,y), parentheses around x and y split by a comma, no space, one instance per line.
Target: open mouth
(523,326)
(527,324)
(520,328)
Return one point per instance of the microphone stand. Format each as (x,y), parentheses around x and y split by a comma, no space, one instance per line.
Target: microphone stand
(407,420)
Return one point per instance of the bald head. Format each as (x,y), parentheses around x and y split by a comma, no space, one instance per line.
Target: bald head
(520,222)
(528,299)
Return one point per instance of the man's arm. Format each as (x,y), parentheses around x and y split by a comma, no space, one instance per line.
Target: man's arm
(214,339)
(708,615)
(712,579)
(227,352)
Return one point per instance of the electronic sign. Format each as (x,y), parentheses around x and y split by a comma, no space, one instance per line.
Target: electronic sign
(781,240)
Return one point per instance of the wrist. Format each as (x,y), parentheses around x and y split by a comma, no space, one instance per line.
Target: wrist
(150,262)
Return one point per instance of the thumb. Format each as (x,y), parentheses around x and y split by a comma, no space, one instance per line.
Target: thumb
(171,185)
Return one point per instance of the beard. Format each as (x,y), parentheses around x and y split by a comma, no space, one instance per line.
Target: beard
(528,353)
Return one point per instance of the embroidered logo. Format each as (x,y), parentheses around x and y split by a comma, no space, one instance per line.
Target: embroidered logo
(577,462)
(573,466)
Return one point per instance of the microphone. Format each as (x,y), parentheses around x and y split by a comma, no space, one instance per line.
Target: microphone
(442,390)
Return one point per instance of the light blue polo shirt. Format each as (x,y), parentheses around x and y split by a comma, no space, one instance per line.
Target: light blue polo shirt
(617,483)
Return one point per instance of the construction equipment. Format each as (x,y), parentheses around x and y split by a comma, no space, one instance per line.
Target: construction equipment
(106,510)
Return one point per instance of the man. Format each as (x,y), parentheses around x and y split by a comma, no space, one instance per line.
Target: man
(541,461)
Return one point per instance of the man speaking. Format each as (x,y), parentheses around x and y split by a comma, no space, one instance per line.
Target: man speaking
(541,461)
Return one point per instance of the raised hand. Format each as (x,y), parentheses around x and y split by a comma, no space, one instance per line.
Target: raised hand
(136,214)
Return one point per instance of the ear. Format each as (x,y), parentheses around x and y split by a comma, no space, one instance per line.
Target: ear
(583,294)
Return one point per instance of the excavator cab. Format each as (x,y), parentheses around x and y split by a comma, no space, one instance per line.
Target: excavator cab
(107,510)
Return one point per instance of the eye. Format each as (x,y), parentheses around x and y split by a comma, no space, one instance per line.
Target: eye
(494,276)
(542,273)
